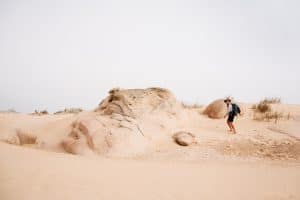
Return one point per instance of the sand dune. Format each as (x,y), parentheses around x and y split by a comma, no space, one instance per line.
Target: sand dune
(125,149)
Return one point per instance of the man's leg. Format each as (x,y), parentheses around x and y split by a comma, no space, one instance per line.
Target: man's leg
(232,127)
(229,125)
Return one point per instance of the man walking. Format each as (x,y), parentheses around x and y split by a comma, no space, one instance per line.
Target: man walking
(232,111)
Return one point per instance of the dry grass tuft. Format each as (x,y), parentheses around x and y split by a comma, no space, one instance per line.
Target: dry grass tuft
(69,111)
(8,111)
(272,100)
(39,113)
(191,106)
(262,107)
(263,110)
(268,116)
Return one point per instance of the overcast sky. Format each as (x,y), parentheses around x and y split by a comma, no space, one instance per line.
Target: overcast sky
(57,54)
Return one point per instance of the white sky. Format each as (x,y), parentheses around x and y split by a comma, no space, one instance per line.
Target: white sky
(57,54)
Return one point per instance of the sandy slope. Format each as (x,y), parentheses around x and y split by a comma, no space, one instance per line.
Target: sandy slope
(124,150)
(31,174)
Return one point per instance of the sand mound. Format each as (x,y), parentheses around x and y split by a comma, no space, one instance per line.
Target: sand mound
(136,102)
(216,109)
(127,123)
(114,135)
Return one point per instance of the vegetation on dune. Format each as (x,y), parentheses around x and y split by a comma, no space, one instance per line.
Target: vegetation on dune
(272,100)
(42,112)
(191,106)
(262,107)
(69,110)
(8,111)
(264,112)
(268,116)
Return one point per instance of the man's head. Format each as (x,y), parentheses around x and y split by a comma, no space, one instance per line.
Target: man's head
(227,100)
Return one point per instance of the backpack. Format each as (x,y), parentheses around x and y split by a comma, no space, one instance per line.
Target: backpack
(236,109)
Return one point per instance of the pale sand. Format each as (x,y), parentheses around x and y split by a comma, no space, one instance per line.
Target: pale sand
(125,150)
(31,174)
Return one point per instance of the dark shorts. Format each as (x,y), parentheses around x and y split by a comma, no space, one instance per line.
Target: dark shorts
(230,117)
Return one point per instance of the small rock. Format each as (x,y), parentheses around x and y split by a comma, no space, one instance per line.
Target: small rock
(184,138)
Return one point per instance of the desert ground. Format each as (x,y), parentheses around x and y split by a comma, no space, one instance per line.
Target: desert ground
(145,144)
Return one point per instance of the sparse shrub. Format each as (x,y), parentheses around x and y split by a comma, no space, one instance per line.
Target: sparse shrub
(273,100)
(263,107)
(263,110)
(69,110)
(273,115)
(43,112)
(191,106)
(268,116)
(8,111)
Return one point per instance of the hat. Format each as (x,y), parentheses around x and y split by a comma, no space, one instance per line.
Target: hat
(227,99)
